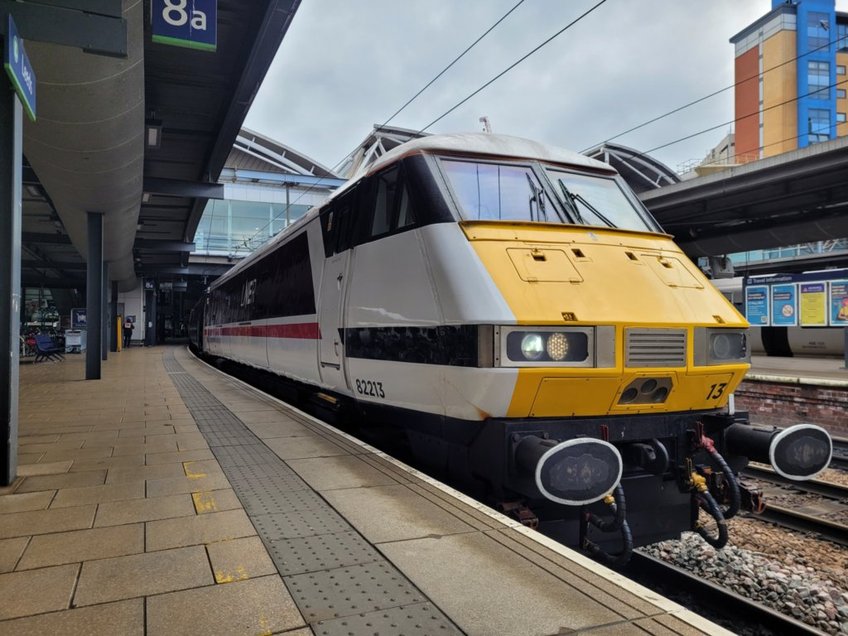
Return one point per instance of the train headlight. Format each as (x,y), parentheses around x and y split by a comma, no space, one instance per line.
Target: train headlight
(532,346)
(721,346)
(554,346)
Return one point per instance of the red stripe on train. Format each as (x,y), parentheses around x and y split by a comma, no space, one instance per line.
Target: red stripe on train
(300,331)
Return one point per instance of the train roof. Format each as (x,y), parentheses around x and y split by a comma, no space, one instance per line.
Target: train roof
(483,144)
(492,145)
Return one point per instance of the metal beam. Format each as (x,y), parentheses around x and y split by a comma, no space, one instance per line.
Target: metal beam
(180,188)
(94,295)
(154,245)
(51,239)
(192,270)
(100,34)
(255,59)
(57,265)
(111,8)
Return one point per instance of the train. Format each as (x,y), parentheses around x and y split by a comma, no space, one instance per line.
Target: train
(514,313)
(785,341)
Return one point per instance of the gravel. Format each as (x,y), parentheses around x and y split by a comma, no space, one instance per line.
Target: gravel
(794,574)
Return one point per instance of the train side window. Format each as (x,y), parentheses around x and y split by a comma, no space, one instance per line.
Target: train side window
(405,215)
(384,202)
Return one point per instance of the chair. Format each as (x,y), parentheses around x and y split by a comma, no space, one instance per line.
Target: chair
(46,349)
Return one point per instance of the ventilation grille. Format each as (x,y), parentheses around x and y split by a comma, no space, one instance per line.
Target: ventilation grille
(655,347)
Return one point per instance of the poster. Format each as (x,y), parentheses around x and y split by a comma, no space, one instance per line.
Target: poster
(757,305)
(839,303)
(812,303)
(784,305)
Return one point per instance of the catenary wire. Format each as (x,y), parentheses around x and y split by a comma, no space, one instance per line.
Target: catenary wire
(491,81)
(513,65)
(713,94)
(396,113)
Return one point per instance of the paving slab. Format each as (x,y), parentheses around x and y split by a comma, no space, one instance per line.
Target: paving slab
(328,473)
(393,513)
(36,591)
(26,501)
(119,475)
(255,606)
(21,524)
(177,485)
(66,480)
(215,501)
(135,510)
(125,618)
(142,575)
(83,545)
(239,559)
(198,529)
(453,570)
(10,551)
(48,468)
(179,457)
(303,447)
(69,497)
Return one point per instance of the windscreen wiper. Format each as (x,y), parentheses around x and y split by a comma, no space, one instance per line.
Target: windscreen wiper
(537,198)
(574,198)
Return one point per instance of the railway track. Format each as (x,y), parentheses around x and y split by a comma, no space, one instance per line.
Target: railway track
(735,610)
(796,519)
(840,453)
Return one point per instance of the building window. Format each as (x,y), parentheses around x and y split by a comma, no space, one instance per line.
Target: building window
(842,37)
(840,118)
(817,27)
(818,80)
(819,125)
(840,70)
(840,93)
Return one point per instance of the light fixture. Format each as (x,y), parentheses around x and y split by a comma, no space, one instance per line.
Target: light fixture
(145,197)
(153,133)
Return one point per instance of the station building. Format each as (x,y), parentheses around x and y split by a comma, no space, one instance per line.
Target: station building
(791,80)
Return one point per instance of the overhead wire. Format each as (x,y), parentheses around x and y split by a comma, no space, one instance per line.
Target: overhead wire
(514,64)
(399,110)
(714,93)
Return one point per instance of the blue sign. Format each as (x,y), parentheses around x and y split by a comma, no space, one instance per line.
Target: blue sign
(189,23)
(19,69)
(784,305)
(757,305)
(839,303)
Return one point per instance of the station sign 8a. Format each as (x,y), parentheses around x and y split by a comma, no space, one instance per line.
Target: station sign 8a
(188,23)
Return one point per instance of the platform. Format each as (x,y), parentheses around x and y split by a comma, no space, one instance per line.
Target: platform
(168,498)
(812,371)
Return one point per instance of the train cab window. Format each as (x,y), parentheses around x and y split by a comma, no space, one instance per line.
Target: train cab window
(405,216)
(339,223)
(498,192)
(384,200)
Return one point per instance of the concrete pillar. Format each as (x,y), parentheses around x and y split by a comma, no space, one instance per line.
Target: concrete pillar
(11,136)
(113,317)
(94,295)
(106,326)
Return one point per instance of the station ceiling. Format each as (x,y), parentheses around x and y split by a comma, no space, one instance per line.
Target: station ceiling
(88,151)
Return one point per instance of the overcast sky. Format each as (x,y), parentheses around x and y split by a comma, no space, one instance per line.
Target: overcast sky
(345,65)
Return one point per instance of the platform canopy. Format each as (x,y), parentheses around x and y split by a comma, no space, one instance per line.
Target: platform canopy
(141,137)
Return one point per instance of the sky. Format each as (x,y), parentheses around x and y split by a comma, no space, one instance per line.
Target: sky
(346,65)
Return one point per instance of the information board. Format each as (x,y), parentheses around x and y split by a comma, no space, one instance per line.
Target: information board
(19,69)
(757,305)
(812,302)
(784,305)
(839,303)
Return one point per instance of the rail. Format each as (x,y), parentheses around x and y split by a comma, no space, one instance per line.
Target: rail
(840,453)
(812,486)
(731,606)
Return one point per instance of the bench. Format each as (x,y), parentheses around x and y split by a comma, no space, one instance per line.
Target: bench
(46,349)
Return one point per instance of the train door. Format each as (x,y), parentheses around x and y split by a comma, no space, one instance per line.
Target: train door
(336,225)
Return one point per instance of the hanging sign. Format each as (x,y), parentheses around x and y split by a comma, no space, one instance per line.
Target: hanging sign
(189,23)
(19,69)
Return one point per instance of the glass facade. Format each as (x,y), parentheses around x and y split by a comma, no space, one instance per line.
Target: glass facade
(819,124)
(817,30)
(818,80)
(236,228)
(841,37)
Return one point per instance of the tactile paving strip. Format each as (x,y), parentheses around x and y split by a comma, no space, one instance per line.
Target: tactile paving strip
(423,619)
(303,523)
(322,552)
(353,590)
(333,574)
